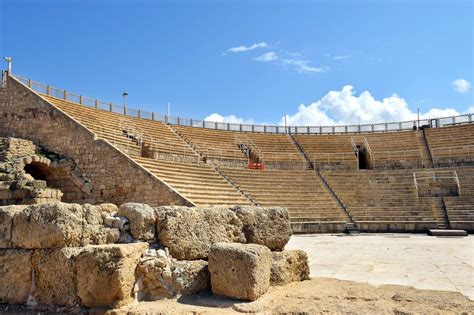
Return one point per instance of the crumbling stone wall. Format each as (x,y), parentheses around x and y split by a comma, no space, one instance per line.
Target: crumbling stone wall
(114,176)
(70,255)
(11,148)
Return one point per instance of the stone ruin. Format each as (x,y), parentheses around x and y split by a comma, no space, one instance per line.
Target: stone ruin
(86,256)
(31,175)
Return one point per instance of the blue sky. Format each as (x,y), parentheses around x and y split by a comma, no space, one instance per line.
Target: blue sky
(321,62)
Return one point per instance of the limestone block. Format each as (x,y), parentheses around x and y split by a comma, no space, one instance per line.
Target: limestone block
(56,225)
(55,277)
(142,220)
(189,232)
(240,271)
(164,277)
(265,226)
(289,266)
(190,276)
(49,225)
(15,276)
(6,223)
(106,274)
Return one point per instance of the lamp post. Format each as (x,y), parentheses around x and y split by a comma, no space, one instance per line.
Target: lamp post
(124,94)
(9,61)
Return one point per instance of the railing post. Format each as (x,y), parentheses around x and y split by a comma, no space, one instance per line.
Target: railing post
(358,128)
(48,89)
(96,103)
(400,126)
(372,127)
(139,113)
(240,127)
(228,126)
(110,107)
(29,83)
(179,121)
(307,129)
(215,125)
(80,99)
(124,110)
(333,130)
(64,95)
(191,122)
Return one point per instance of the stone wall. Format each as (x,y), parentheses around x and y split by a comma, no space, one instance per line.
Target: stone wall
(114,176)
(11,148)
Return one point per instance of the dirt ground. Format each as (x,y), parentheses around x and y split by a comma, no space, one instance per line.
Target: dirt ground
(317,296)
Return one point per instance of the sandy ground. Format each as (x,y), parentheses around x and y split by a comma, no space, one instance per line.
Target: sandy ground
(317,296)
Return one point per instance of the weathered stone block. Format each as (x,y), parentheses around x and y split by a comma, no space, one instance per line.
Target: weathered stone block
(289,266)
(142,220)
(106,274)
(15,276)
(6,223)
(50,225)
(240,271)
(190,232)
(265,226)
(164,277)
(55,277)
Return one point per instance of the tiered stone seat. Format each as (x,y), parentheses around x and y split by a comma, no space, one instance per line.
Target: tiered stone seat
(201,184)
(217,145)
(391,150)
(329,152)
(386,200)
(302,192)
(461,209)
(451,145)
(126,131)
(278,151)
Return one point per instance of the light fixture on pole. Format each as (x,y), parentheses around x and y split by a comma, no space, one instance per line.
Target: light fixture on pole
(124,94)
(9,61)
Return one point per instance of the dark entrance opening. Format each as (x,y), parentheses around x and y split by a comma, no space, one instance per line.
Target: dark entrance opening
(37,171)
(363,159)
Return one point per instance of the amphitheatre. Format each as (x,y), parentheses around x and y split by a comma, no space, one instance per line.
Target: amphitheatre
(106,207)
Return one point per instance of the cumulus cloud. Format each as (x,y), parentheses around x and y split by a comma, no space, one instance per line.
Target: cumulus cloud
(266,57)
(243,48)
(461,85)
(215,117)
(344,107)
(302,66)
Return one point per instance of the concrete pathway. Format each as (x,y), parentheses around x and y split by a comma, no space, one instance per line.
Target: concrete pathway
(415,260)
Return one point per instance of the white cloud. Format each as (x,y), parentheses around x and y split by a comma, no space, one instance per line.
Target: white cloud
(461,85)
(341,57)
(345,107)
(266,57)
(302,66)
(243,48)
(215,117)
(470,110)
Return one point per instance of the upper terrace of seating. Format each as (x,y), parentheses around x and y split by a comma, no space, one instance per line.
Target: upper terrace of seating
(451,145)
(236,145)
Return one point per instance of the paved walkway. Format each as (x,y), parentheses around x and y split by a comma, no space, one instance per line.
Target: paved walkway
(416,260)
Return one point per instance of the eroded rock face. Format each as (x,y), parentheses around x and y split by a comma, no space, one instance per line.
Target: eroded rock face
(15,276)
(189,232)
(106,274)
(48,226)
(6,223)
(55,277)
(265,226)
(56,225)
(240,271)
(142,220)
(289,266)
(165,277)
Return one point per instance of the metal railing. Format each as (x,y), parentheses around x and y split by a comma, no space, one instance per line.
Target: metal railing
(383,159)
(453,155)
(436,176)
(378,127)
